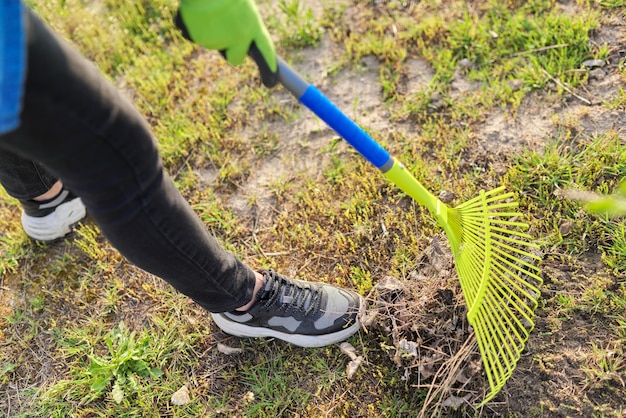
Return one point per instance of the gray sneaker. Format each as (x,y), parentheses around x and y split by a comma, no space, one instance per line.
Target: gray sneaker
(54,218)
(301,313)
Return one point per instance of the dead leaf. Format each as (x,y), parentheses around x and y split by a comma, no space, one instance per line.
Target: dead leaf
(565,228)
(353,366)
(224,349)
(409,347)
(425,371)
(369,318)
(348,349)
(455,401)
(389,283)
(461,378)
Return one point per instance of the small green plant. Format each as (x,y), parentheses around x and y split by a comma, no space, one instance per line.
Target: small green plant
(221,220)
(606,364)
(619,101)
(612,3)
(300,27)
(10,254)
(362,279)
(273,385)
(128,360)
(5,372)
(88,242)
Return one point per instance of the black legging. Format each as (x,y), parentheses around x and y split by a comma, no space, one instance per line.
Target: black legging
(87,134)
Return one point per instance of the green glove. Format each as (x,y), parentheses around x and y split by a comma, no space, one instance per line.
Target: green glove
(233,27)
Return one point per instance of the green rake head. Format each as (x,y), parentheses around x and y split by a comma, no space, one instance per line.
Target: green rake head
(496,267)
(499,279)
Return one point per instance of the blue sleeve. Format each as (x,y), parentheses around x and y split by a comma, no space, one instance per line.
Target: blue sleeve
(12,63)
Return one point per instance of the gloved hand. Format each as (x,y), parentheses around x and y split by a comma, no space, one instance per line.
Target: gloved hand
(233,27)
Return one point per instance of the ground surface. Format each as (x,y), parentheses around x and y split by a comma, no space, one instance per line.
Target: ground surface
(550,380)
(555,376)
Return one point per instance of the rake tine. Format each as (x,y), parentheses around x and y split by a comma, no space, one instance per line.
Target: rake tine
(513,298)
(510,234)
(499,318)
(507,274)
(471,287)
(497,221)
(492,322)
(513,224)
(528,271)
(488,196)
(494,367)
(515,266)
(515,253)
(482,329)
(471,271)
(497,234)
(501,243)
(494,208)
(513,261)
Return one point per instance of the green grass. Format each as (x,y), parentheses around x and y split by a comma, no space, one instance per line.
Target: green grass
(598,164)
(84,333)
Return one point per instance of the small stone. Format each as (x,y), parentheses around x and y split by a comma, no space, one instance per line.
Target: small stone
(593,63)
(597,74)
(516,84)
(465,63)
(181,396)
(446,196)
(565,228)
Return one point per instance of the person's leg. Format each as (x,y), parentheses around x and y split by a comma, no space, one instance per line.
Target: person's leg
(52,192)
(79,126)
(22,178)
(49,212)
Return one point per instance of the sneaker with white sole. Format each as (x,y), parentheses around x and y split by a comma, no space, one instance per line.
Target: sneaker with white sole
(302,313)
(54,218)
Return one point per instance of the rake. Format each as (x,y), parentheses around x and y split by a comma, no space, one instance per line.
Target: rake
(493,258)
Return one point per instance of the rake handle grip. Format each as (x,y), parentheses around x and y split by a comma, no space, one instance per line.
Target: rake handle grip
(319,104)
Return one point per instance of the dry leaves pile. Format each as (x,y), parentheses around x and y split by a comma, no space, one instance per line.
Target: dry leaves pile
(433,344)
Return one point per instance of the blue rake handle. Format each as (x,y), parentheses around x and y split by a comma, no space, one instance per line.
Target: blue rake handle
(319,104)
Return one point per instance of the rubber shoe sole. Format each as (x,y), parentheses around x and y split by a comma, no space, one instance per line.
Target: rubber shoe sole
(310,341)
(55,225)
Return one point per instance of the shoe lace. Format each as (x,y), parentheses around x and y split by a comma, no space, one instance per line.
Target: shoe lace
(290,296)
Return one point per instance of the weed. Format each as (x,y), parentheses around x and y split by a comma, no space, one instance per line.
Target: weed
(362,279)
(611,3)
(274,388)
(88,242)
(619,101)
(300,27)
(127,361)
(606,364)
